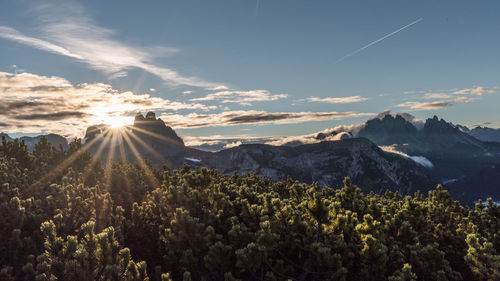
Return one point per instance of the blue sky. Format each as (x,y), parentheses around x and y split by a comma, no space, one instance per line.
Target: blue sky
(256,68)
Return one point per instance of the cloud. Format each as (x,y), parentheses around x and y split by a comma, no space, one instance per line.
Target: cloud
(66,30)
(351,99)
(219,142)
(31,103)
(437,96)
(233,144)
(52,116)
(241,97)
(446,98)
(421,160)
(187,92)
(218,88)
(240,117)
(477,91)
(14,35)
(435,104)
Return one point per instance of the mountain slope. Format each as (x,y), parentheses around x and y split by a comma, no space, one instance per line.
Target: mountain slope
(326,163)
(483,133)
(453,152)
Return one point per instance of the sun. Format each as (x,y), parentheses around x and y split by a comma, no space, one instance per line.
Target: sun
(115,122)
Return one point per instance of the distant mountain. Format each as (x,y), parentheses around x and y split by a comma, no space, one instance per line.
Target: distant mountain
(452,152)
(425,153)
(483,133)
(54,139)
(326,163)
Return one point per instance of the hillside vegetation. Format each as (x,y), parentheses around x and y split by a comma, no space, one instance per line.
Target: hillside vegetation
(66,217)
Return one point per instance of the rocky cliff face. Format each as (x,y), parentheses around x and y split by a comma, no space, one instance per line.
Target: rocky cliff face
(389,130)
(326,163)
(452,152)
(158,128)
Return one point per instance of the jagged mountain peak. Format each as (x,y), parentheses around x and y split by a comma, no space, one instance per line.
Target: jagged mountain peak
(440,126)
(156,127)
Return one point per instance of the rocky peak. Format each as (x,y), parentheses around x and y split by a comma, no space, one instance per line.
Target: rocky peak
(388,130)
(157,127)
(151,115)
(439,126)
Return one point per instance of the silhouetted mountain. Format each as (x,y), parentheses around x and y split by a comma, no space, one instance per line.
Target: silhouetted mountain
(148,138)
(389,130)
(453,152)
(157,126)
(483,133)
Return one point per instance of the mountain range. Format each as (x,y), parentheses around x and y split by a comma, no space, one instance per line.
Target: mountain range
(393,152)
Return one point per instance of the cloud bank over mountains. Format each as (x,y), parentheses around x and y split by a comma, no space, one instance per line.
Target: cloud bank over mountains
(33,103)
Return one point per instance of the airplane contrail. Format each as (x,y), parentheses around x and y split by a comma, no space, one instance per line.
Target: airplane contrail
(378,40)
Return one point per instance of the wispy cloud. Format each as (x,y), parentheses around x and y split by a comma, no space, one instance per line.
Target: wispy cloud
(435,104)
(378,40)
(241,97)
(65,29)
(429,96)
(351,99)
(32,103)
(241,117)
(14,35)
(476,91)
(448,98)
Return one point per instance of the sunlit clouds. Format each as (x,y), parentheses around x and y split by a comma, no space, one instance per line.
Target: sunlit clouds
(448,98)
(242,117)
(33,103)
(245,98)
(351,99)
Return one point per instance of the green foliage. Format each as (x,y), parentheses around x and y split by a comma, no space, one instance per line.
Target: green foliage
(64,217)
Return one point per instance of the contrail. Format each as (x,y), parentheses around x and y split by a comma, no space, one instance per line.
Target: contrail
(378,40)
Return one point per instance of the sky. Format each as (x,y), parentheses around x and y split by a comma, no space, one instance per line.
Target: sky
(251,68)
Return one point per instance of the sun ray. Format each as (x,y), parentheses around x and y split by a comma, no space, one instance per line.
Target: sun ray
(95,158)
(111,153)
(163,138)
(57,170)
(121,146)
(146,146)
(149,173)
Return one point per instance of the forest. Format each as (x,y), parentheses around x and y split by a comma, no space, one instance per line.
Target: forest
(66,216)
